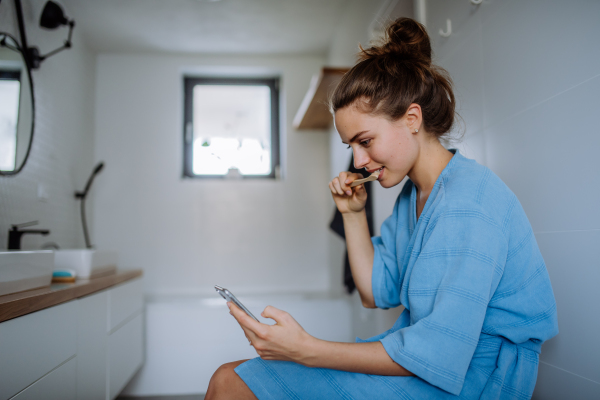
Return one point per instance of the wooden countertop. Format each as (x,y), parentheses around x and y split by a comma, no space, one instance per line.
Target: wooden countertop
(17,304)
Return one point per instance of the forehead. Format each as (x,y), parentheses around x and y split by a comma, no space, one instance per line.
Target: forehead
(349,121)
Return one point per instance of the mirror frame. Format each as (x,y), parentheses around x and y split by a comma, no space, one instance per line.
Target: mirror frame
(23,54)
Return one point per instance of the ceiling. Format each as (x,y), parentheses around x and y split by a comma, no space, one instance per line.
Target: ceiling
(204,26)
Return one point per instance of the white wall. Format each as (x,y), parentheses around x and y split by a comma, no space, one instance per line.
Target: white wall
(527,75)
(254,236)
(61,156)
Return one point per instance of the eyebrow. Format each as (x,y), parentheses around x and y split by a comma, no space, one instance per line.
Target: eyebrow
(355,137)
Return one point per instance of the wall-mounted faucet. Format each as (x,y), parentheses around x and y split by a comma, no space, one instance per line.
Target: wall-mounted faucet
(14,234)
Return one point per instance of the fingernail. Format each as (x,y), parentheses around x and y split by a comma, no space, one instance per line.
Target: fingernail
(347,181)
(348,192)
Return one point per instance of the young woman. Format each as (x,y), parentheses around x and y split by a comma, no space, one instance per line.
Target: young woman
(458,253)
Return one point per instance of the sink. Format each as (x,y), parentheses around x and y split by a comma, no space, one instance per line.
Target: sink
(25,270)
(87,263)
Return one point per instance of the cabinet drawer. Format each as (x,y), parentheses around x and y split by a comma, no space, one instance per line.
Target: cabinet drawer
(59,384)
(34,344)
(124,301)
(125,354)
(92,342)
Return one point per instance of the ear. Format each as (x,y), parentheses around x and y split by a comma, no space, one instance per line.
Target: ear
(414,117)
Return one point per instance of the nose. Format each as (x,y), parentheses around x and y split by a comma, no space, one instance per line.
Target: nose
(361,158)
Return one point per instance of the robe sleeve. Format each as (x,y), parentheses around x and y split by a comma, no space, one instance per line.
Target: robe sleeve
(387,274)
(462,257)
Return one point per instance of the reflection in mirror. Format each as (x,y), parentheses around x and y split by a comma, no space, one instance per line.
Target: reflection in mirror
(16,107)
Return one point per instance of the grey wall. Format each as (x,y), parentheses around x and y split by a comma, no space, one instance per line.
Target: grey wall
(61,156)
(527,76)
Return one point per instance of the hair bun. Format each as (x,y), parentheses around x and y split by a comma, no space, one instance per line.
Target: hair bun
(405,38)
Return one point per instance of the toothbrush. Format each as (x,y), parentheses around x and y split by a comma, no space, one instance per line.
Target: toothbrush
(372,177)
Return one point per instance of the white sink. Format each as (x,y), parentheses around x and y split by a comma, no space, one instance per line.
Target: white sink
(87,263)
(25,270)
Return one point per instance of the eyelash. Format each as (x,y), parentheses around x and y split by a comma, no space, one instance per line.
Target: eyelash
(364,143)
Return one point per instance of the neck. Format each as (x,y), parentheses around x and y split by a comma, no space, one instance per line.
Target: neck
(432,160)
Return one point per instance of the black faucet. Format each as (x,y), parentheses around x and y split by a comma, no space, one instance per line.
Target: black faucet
(14,234)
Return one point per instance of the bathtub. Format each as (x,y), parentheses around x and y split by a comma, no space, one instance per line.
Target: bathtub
(188,338)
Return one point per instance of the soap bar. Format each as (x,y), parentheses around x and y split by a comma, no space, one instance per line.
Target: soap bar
(63,275)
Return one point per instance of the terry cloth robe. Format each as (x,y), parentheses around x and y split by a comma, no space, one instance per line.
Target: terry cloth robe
(477,295)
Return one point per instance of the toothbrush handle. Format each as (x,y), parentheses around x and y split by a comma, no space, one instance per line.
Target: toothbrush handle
(372,177)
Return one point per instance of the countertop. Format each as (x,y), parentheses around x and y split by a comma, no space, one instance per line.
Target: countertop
(17,304)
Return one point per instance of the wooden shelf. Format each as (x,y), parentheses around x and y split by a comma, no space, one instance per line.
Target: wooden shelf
(17,304)
(314,112)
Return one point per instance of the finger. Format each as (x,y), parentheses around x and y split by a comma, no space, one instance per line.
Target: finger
(338,188)
(347,181)
(335,183)
(252,338)
(358,189)
(275,314)
(352,177)
(333,191)
(343,177)
(244,319)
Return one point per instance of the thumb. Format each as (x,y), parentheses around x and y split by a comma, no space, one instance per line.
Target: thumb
(274,313)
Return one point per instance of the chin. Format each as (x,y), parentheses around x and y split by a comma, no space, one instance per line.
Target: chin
(389,183)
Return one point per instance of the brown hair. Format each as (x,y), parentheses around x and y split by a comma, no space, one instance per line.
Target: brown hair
(398,72)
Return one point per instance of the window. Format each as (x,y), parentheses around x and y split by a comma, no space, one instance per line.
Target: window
(231,128)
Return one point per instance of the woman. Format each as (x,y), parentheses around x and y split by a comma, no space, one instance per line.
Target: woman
(458,253)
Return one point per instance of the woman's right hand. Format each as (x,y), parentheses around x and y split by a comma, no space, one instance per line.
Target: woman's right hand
(347,199)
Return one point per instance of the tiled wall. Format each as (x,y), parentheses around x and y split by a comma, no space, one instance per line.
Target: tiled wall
(61,156)
(527,76)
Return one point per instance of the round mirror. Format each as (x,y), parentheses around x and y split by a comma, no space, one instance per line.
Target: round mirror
(16,106)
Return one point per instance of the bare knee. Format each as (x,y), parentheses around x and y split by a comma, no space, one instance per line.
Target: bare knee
(226,384)
(224,374)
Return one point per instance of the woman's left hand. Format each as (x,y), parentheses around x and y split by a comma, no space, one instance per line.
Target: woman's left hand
(285,341)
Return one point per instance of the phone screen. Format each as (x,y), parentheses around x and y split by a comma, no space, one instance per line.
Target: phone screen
(228,296)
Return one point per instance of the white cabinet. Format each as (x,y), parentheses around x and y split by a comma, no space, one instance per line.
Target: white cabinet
(124,301)
(125,354)
(60,384)
(88,348)
(110,342)
(33,345)
(92,346)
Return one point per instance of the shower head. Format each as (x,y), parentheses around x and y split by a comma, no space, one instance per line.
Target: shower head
(96,171)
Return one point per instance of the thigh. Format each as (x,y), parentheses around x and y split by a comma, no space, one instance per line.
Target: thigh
(273,380)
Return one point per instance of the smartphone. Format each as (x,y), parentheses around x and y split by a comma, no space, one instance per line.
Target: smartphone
(228,296)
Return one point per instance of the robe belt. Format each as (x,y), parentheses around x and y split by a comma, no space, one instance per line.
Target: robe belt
(500,340)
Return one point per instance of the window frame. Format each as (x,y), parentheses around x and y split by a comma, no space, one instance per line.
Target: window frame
(189,82)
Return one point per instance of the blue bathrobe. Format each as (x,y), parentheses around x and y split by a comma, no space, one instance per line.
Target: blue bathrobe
(477,297)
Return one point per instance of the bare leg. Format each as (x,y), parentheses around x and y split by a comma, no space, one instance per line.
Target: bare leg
(225,384)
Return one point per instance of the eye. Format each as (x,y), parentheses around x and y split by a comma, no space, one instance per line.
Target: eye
(365,142)
(348,147)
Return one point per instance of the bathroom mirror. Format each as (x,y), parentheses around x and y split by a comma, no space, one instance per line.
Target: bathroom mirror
(16,106)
